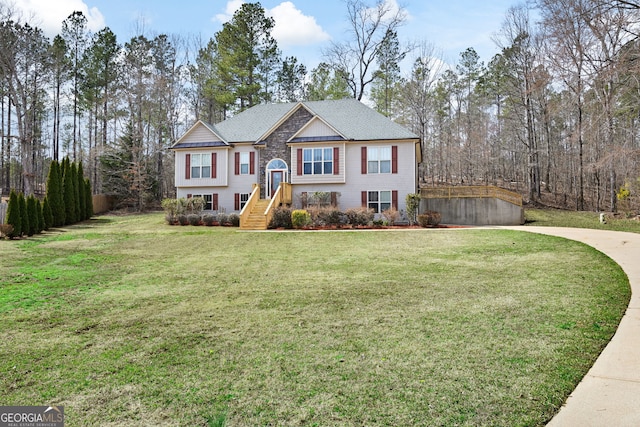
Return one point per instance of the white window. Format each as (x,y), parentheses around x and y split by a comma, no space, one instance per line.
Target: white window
(244,163)
(379,201)
(201,166)
(317,161)
(244,198)
(378,159)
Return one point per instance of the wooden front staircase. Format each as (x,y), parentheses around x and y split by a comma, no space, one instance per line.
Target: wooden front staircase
(257,212)
(256,219)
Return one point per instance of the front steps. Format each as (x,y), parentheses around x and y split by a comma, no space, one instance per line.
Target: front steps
(256,219)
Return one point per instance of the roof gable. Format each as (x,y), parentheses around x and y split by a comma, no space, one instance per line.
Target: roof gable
(200,135)
(316,129)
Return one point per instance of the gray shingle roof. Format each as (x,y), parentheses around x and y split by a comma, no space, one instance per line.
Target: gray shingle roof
(349,117)
(251,124)
(356,121)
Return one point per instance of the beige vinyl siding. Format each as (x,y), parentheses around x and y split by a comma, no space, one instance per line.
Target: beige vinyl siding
(241,184)
(403,181)
(221,169)
(318,179)
(316,128)
(200,134)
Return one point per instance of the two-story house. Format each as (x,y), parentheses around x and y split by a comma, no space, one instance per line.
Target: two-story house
(339,147)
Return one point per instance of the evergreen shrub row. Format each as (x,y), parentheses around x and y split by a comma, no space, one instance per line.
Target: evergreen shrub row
(68,200)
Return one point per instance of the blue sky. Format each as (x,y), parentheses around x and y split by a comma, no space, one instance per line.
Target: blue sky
(303,27)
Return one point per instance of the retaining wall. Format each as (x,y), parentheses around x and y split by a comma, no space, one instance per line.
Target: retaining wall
(475,211)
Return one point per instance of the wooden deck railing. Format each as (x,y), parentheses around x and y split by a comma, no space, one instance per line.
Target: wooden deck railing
(471,191)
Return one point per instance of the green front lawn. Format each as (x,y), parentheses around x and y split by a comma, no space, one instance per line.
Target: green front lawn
(127,321)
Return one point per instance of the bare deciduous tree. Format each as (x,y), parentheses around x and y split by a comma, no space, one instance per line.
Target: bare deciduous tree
(368,26)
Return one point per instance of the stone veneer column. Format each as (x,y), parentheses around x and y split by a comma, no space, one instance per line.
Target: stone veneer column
(276,144)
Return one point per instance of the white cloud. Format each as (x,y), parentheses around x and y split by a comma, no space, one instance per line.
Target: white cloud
(232,7)
(393,10)
(48,15)
(293,28)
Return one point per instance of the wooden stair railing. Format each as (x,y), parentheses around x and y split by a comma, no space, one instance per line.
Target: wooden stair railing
(257,213)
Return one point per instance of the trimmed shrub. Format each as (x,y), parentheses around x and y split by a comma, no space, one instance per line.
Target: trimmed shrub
(47,214)
(54,194)
(82,194)
(183,220)
(300,218)
(208,219)
(281,218)
(88,199)
(24,214)
(6,230)
(193,219)
(69,181)
(40,216)
(32,213)
(223,218)
(234,219)
(360,216)
(429,219)
(391,216)
(327,216)
(14,216)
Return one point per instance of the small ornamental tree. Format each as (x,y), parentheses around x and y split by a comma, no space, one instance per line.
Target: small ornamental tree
(14,217)
(24,215)
(47,214)
(413,205)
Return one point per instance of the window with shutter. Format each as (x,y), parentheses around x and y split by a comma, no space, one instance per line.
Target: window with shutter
(379,201)
(317,161)
(379,160)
